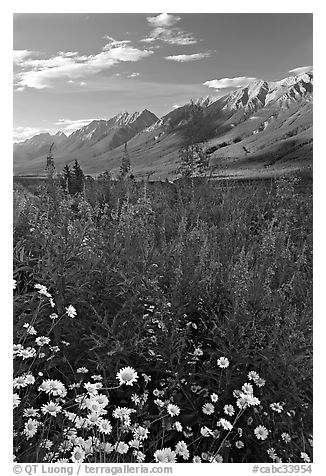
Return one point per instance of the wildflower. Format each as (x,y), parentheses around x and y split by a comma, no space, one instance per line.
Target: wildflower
(208,408)
(305,457)
(216,459)
(102,400)
(181,449)
(16,400)
(80,422)
(30,412)
(277,407)
(14,283)
(122,448)
(42,340)
(54,348)
(239,444)
(47,444)
(253,376)
(17,348)
(30,330)
(247,400)
(97,378)
(127,376)
(188,433)
(29,379)
(30,428)
(206,432)
(19,382)
(135,399)
(214,397)
(229,410)
(198,352)
(108,448)
(104,426)
(286,437)
(158,393)
(93,418)
(166,455)
(77,455)
(159,402)
(147,378)
(173,410)
(196,459)
(272,454)
(177,426)
(261,432)
(92,388)
(134,444)
(51,408)
(223,362)
(42,290)
(71,311)
(82,370)
(53,316)
(140,456)
(260,382)
(141,433)
(52,303)
(225,424)
(53,387)
(27,353)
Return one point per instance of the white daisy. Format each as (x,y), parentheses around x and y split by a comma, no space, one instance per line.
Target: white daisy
(77,455)
(223,362)
(51,408)
(71,311)
(208,408)
(166,455)
(127,376)
(261,432)
(173,410)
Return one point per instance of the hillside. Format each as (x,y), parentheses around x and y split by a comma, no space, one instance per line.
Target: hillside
(262,129)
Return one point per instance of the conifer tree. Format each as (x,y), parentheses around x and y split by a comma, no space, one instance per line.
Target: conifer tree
(78,178)
(67,178)
(125,163)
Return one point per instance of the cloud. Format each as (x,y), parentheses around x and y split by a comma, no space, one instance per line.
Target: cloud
(173,36)
(42,73)
(22,133)
(164,19)
(232,83)
(188,58)
(162,31)
(20,55)
(112,43)
(134,75)
(301,69)
(71,125)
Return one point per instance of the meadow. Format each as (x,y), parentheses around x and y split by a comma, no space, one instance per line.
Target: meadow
(160,322)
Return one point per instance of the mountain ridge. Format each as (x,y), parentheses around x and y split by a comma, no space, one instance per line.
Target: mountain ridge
(248,115)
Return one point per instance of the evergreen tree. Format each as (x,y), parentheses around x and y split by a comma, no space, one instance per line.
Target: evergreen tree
(78,179)
(67,179)
(125,163)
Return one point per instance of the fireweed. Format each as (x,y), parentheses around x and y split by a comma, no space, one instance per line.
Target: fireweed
(167,324)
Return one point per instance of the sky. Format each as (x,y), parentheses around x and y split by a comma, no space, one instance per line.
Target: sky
(71,68)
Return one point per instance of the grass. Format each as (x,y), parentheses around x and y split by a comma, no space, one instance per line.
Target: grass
(165,279)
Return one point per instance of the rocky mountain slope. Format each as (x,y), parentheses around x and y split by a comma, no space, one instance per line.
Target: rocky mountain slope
(263,128)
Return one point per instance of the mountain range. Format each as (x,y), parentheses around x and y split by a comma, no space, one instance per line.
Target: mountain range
(263,129)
